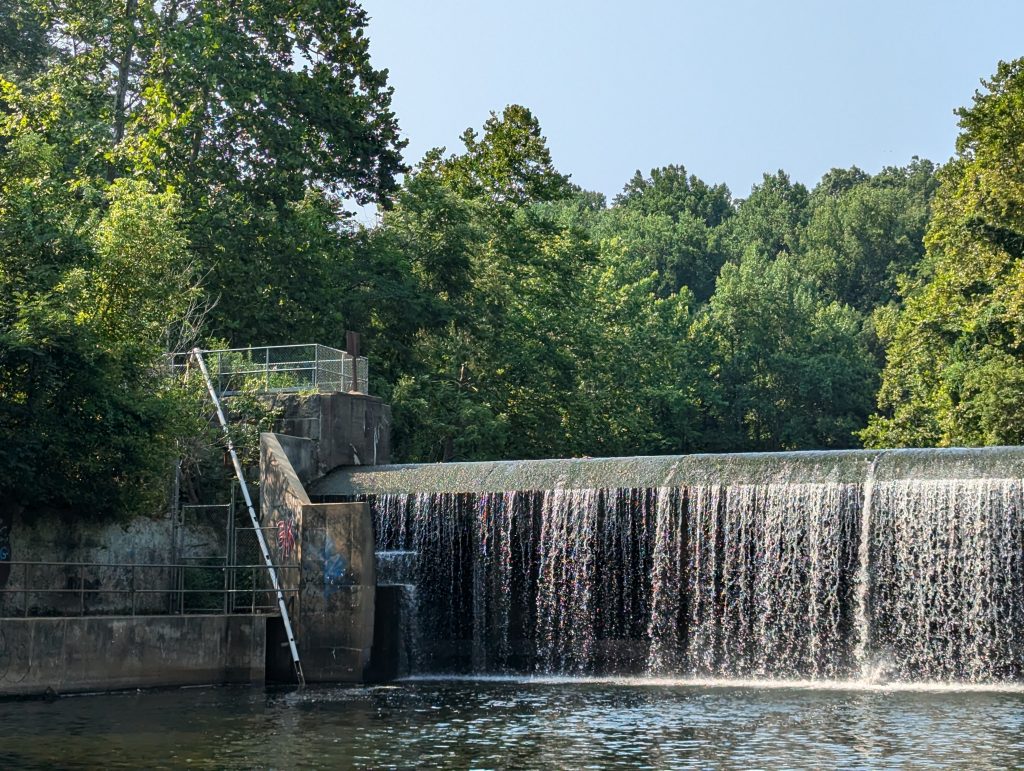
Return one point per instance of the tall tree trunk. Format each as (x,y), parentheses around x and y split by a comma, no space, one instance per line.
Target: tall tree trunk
(123,70)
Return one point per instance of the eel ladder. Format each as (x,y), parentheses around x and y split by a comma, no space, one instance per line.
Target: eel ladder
(197,354)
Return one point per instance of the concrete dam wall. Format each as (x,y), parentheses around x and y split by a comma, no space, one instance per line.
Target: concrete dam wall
(905,564)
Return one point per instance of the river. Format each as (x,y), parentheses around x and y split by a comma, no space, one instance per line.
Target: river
(523,723)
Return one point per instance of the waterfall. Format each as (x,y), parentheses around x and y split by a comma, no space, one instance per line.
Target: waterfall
(769,579)
(948,580)
(861,623)
(665,629)
(827,566)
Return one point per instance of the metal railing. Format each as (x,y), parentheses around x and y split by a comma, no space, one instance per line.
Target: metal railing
(219,539)
(191,586)
(282,369)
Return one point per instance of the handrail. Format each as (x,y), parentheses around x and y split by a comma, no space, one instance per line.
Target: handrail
(174,589)
(73,563)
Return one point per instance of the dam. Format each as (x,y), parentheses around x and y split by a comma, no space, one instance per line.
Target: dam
(872,566)
(815,609)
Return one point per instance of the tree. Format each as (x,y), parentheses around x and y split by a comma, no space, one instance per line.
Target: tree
(146,146)
(770,221)
(865,232)
(670,223)
(89,299)
(954,373)
(509,164)
(22,38)
(669,190)
(266,118)
(497,374)
(641,385)
(786,370)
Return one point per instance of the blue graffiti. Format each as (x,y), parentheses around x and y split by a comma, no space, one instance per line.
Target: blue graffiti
(336,574)
(5,554)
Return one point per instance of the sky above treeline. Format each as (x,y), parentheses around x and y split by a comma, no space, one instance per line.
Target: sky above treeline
(728,89)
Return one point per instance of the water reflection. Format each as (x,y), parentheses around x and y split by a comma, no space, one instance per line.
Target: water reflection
(518,723)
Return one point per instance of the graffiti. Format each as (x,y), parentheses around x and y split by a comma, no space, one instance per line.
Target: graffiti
(286,537)
(335,567)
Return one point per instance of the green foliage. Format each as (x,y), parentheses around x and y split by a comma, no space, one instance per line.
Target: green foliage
(865,232)
(168,171)
(206,473)
(955,364)
(771,220)
(492,374)
(670,223)
(171,172)
(89,298)
(788,369)
(263,117)
(540,321)
(510,164)
(22,38)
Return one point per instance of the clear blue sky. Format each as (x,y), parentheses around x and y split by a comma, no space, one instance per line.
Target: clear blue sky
(728,89)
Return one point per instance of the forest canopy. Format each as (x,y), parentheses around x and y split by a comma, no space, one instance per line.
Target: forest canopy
(174,173)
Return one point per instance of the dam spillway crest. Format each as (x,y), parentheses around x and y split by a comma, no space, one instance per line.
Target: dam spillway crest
(900,565)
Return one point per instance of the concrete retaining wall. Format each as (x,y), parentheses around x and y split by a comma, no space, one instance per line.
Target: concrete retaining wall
(345,429)
(112,653)
(333,544)
(50,537)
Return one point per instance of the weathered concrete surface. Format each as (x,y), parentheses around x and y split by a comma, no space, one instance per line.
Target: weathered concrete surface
(111,653)
(46,536)
(302,454)
(346,429)
(337,591)
(282,500)
(49,536)
(333,545)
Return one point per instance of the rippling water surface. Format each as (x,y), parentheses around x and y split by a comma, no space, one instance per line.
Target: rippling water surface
(522,723)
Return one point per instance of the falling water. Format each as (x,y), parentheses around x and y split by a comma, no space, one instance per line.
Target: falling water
(948,579)
(665,628)
(828,567)
(861,623)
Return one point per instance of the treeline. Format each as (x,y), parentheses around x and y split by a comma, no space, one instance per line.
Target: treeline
(173,173)
(674,319)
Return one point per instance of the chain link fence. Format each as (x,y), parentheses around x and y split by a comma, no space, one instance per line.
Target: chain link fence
(282,369)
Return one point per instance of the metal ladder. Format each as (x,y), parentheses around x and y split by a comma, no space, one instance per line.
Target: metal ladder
(197,354)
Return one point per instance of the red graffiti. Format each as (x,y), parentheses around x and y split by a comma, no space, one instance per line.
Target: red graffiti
(286,537)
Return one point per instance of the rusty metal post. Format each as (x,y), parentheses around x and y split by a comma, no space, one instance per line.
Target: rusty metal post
(352,348)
